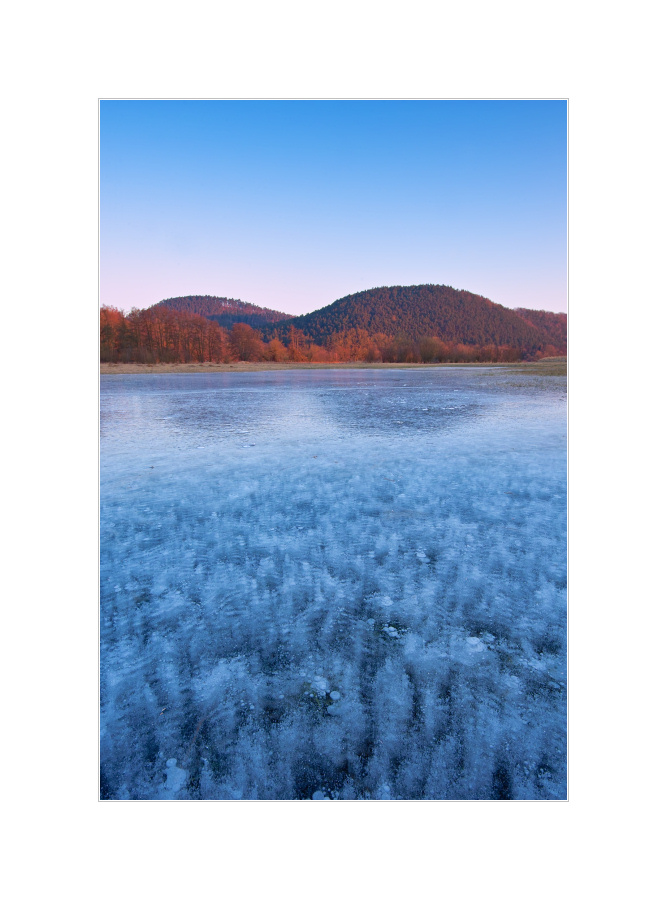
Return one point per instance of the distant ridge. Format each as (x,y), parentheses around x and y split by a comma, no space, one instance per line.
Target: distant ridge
(225,311)
(425,323)
(400,312)
(433,310)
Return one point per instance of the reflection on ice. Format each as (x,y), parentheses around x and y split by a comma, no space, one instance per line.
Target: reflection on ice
(302,599)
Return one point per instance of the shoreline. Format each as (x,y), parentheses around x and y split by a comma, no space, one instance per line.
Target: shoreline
(548,366)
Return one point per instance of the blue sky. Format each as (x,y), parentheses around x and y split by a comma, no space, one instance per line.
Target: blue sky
(293,204)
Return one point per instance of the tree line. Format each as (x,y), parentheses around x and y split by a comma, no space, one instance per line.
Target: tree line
(158,334)
(164,335)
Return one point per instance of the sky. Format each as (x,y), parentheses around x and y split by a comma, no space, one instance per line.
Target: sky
(293,204)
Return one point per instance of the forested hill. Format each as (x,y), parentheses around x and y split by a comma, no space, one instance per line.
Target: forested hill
(426,310)
(225,311)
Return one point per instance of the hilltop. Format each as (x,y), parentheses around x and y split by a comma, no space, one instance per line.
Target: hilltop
(224,310)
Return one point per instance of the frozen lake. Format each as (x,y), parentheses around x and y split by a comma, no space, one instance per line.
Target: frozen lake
(346,584)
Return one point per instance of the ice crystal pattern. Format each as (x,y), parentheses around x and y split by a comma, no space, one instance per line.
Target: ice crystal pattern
(334,584)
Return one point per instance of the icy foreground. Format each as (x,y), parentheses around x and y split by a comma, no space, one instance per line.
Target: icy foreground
(341,584)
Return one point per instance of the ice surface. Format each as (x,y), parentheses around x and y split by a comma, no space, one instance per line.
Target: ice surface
(338,582)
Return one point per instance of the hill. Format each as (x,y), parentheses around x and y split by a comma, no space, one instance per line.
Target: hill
(225,311)
(427,310)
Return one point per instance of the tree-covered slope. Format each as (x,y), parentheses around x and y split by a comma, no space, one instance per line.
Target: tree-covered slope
(553,324)
(225,311)
(419,311)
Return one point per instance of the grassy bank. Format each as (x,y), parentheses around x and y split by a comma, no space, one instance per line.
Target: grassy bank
(551,366)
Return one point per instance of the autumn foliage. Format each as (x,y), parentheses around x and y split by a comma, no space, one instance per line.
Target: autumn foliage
(160,334)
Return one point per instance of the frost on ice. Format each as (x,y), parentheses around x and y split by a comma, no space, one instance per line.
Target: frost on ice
(333,585)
